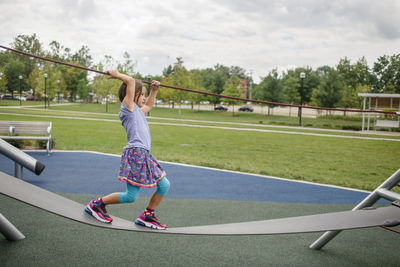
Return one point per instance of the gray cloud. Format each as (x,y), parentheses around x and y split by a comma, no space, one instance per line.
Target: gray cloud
(257,35)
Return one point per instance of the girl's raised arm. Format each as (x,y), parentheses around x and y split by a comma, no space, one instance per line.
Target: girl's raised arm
(130,87)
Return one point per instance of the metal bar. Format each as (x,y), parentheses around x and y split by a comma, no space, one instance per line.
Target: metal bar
(9,231)
(21,157)
(371,199)
(18,170)
(363,115)
(387,194)
(369,115)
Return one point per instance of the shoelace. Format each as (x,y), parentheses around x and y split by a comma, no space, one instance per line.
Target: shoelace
(102,207)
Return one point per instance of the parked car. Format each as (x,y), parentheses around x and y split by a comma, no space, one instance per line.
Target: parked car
(246,108)
(222,108)
(33,98)
(9,97)
(60,100)
(23,98)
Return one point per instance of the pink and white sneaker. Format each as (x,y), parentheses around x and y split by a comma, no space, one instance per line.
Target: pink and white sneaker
(149,221)
(98,210)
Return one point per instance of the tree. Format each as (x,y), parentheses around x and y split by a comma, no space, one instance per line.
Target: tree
(72,78)
(59,52)
(33,80)
(355,76)
(82,57)
(213,80)
(291,85)
(103,86)
(168,71)
(270,89)
(232,88)
(29,44)
(291,89)
(3,81)
(196,79)
(12,70)
(329,92)
(180,77)
(127,66)
(387,74)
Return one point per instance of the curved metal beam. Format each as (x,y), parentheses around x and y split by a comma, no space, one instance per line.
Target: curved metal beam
(67,208)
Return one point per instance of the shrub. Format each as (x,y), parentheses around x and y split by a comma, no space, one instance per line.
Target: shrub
(16,143)
(43,143)
(351,127)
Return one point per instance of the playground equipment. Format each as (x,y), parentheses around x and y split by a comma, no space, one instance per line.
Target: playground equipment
(360,217)
(21,160)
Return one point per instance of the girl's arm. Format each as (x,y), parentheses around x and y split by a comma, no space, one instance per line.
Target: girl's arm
(130,87)
(152,97)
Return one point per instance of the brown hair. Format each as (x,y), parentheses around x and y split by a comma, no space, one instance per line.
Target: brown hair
(138,91)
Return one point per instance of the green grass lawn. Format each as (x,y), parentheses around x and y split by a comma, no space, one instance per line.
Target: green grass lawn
(362,164)
(14,102)
(243,117)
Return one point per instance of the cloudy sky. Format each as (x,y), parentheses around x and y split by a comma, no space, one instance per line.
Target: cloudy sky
(257,35)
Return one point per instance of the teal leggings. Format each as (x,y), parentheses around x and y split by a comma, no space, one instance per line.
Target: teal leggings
(132,192)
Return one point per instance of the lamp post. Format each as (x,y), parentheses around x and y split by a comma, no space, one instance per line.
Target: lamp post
(1,74)
(58,91)
(20,95)
(302,76)
(45,89)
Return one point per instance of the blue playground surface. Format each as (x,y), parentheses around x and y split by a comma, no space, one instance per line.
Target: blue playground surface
(94,173)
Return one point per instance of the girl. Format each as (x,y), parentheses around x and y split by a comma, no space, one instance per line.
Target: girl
(138,167)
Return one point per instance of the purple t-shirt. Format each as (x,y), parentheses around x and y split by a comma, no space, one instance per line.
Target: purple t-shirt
(136,127)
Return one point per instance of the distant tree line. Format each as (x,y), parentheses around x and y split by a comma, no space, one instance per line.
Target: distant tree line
(324,86)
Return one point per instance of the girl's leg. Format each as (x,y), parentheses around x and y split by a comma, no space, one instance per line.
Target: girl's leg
(97,208)
(147,218)
(162,189)
(129,196)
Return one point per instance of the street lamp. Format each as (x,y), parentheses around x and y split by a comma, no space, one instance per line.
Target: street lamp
(58,91)
(45,89)
(1,74)
(20,96)
(302,76)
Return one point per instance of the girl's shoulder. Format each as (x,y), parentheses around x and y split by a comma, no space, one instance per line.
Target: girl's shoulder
(124,108)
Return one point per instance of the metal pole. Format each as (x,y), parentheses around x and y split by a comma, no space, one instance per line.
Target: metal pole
(21,157)
(45,92)
(371,199)
(20,95)
(18,170)
(302,76)
(363,115)
(301,100)
(369,114)
(9,231)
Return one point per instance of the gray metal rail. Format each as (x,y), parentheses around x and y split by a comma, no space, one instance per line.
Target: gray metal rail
(21,160)
(381,192)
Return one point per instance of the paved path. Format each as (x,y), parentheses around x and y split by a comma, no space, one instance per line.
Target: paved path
(213,127)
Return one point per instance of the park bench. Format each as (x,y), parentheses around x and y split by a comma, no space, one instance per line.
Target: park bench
(389,123)
(36,129)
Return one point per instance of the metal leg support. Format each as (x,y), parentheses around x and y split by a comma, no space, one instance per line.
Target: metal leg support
(370,200)
(18,170)
(9,231)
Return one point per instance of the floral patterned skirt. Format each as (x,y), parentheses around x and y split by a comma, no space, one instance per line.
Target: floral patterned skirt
(139,168)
